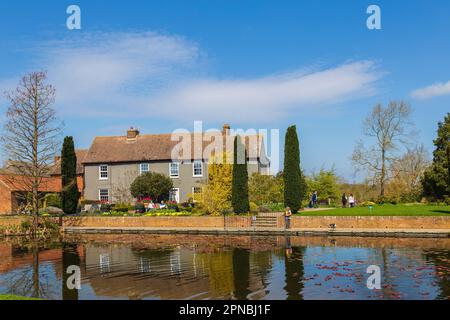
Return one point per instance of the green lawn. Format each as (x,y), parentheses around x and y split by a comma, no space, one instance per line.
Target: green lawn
(385,210)
(13,297)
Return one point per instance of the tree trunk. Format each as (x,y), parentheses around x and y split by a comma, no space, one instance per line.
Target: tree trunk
(448,166)
(383,172)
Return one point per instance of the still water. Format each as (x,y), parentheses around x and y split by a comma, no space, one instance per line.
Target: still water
(225,267)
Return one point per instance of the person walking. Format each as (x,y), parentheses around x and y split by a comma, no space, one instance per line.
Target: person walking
(287,218)
(314,199)
(344,200)
(351,200)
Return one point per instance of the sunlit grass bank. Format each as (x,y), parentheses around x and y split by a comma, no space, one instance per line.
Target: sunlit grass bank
(384,210)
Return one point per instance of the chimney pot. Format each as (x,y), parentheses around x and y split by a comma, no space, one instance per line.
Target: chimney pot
(132,133)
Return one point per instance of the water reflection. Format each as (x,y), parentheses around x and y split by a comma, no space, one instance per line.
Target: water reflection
(216,267)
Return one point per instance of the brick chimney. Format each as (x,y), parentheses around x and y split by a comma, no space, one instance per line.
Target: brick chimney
(226,129)
(132,133)
(56,159)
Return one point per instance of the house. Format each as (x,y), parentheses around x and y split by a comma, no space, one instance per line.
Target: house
(14,186)
(112,163)
(56,170)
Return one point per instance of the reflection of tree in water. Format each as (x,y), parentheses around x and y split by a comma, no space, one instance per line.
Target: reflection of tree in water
(70,257)
(441,260)
(262,262)
(294,271)
(28,281)
(241,272)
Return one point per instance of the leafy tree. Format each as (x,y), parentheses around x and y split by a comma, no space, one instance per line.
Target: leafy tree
(436,180)
(239,198)
(294,182)
(157,186)
(69,190)
(264,189)
(326,183)
(216,194)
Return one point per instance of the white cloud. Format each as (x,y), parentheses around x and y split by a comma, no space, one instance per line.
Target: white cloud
(149,74)
(435,90)
(266,98)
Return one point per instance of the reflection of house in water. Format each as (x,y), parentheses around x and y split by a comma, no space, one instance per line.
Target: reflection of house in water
(173,273)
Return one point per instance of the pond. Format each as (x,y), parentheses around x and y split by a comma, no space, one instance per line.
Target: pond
(225,267)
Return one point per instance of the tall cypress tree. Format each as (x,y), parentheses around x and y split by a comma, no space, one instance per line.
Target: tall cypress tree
(69,190)
(294,183)
(239,196)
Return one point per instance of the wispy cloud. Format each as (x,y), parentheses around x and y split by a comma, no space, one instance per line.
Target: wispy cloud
(149,74)
(434,90)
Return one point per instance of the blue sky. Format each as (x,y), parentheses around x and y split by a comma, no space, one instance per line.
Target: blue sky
(160,65)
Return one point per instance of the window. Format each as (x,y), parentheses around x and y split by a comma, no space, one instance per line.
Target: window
(144,167)
(174,195)
(105,263)
(197,194)
(103,172)
(174,169)
(197,169)
(103,195)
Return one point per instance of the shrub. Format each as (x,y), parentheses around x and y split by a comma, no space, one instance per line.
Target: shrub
(264,208)
(253,207)
(52,200)
(121,207)
(105,207)
(25,226)
(139,208)
(275,207)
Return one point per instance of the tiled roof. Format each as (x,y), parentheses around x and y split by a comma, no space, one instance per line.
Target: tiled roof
(153,147)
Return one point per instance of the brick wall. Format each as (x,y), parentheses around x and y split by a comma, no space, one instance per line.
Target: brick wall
(373,222)
(5,200)
(158,222)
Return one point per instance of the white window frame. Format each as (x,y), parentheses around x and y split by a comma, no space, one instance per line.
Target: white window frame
(193,193)
(100,172)
(193,168)
(100,194)
(177,194)
(170,170)
(140,167)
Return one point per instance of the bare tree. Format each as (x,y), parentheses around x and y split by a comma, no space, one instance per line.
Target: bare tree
(407,172)
(31,136)
(388,127)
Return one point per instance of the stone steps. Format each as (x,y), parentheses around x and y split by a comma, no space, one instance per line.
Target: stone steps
(265,222)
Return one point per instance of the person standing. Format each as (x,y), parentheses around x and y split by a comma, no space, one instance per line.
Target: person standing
(287,218)
(351,200)
(344,200)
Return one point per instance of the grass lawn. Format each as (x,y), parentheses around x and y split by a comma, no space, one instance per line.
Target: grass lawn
(13,297)
(385,210)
